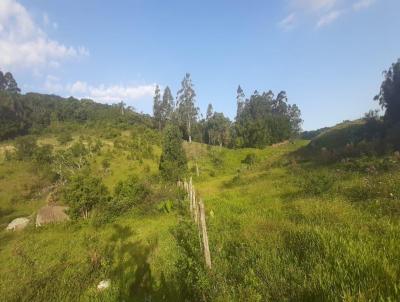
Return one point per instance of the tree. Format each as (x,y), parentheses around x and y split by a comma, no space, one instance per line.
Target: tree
(240,99)
(8,83)
(389,94)
(210,111)
(157,111)
(218,129)
(265,119)
(2,81)
(83,193)
(173,162)
(187,110)
(167,106)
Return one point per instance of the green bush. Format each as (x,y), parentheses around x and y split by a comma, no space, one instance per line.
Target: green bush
(316,183)
(249,160)
(83,193)
(130,193)
(64,137)
(25,147)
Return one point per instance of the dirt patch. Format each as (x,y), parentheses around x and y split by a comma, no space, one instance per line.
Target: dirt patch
(51,214)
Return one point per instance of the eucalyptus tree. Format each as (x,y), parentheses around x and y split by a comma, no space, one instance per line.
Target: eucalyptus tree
(187,112)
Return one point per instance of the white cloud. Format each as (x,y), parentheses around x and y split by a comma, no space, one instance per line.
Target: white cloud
(23,44)
(323,12)
(328,18)
(101,93)
(288,22)
(52,84)
(313,5)
(362,4)
(117,93)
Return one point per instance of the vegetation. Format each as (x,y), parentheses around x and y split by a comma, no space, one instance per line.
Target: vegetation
(296,221)
(173,163)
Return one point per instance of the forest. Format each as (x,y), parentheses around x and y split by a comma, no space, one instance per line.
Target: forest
(101,203)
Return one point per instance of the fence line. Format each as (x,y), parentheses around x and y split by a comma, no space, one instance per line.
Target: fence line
(197,213)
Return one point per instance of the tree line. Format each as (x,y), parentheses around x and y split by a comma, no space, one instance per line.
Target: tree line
(261,120)
(29,113)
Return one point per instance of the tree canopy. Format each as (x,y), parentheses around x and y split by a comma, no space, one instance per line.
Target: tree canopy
(265,119)
(389,94)
(8,83)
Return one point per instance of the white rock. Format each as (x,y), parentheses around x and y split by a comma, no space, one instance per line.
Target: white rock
(104,284)
(18,224)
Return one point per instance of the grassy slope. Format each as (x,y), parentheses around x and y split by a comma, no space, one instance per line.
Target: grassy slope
(65,262)
(269,240)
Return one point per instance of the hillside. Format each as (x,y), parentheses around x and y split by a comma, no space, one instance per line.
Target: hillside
(280,228)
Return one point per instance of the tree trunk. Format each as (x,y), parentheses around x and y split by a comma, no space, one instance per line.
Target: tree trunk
(189,132)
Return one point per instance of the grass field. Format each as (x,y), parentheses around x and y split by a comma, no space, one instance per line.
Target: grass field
(280,229)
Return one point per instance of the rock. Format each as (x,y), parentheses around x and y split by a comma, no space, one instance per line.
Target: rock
(104,284)
(18,224)
(51,214)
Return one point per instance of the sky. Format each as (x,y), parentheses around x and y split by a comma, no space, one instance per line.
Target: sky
(328,55)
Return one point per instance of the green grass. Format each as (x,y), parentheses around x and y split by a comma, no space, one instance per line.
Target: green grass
(281,229)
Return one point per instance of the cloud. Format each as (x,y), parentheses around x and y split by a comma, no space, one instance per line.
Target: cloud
(362,4)
(100,93)
(24,44)
(113,93)
(313,5)
(323,12)
(288,22)
(328,18)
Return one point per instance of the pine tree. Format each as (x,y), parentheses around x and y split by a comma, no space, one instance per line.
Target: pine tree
(173,162)
(157,107)
(187,111)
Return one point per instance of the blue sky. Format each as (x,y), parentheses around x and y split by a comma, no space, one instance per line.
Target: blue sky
(328,55)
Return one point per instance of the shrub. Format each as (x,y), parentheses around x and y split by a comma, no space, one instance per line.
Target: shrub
(25,147)
(316,183)
(83,193)
(130,193)
(64,137)
(173,162)
(249,160)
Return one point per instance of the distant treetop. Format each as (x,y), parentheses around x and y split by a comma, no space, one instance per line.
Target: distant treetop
(8,83)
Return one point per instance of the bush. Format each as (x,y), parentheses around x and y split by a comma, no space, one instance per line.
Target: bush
(25,147)
(249,160)
(173,162)
(130,193)
(83,193)
(64,137)
(316,183)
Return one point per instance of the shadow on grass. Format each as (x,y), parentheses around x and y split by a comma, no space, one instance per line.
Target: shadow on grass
(131,269)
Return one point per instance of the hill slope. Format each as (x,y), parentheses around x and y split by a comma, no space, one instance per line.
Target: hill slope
(280,228)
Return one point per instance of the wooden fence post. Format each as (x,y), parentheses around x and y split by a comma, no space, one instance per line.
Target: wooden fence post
(206,248)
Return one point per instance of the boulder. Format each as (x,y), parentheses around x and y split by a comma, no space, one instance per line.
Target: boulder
(18,224)
(51,214)
(103,284)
